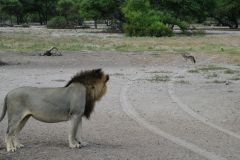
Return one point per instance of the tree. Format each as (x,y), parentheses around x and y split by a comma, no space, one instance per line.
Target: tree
(13,8)
(44,8)
(186,10)
(227,12)
(100,9)
(70,10)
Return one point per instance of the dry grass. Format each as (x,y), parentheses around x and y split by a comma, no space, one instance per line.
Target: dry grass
(70,40)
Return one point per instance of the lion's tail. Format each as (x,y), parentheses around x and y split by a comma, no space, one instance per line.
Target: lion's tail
(4,109)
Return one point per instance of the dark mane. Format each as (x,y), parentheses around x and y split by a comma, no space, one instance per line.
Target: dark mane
(86,77)
(89,106)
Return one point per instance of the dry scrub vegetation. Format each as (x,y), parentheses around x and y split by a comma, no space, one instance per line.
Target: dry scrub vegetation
(30,40)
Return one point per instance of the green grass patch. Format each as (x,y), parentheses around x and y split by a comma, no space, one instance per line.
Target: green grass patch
(230,71)
(179,77)
(211,68)
(160,72)
(237,78)
(59,80)
(160,78)
(194,71)
(212,75)
(182,82)
(218,81)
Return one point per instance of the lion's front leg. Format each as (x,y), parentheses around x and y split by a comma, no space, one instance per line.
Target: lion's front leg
(75,120)
(79,138)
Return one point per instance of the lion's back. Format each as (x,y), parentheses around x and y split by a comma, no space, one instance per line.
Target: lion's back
(44,104)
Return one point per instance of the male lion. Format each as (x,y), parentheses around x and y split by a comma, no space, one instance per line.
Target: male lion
(51,105)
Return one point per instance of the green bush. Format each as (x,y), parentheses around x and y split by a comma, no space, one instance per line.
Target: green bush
(58,22)
(158,29)
(143,21)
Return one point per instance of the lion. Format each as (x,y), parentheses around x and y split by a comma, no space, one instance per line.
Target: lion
(69,103)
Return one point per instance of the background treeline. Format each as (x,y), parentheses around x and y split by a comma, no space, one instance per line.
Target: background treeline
(135,17)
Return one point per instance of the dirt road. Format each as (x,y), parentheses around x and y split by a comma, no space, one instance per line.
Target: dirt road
(156,107)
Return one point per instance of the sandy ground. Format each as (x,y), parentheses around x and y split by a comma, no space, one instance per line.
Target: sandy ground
(188,117)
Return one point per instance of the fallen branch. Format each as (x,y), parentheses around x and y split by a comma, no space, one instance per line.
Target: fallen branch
(52,52)
(3,63)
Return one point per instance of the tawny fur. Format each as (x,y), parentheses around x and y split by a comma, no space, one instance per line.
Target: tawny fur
(51,105)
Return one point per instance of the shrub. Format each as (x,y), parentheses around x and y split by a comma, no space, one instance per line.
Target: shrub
(143,21)
(58,22)
(158,29)
(25,25)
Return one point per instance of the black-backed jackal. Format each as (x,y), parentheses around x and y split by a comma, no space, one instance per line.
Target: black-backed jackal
(190,57)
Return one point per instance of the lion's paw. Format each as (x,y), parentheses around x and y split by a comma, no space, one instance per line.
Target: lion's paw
(75,145)
(11,149)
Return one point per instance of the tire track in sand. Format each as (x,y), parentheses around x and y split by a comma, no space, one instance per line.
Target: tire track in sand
(130,111)
(187,109)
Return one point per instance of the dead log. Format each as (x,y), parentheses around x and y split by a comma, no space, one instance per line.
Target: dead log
(52,52)
(3,63)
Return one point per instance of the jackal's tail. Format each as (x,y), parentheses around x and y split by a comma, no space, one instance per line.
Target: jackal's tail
(194,60)
(4,109)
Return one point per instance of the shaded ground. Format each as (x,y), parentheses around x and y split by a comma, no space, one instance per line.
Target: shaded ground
(211,91)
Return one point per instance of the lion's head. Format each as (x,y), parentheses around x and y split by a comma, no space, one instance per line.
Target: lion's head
(95,83)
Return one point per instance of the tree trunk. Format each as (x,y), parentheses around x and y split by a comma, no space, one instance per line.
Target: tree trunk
(40,18)
(235,25)
(11,20)
(46,11)
(18,20)
(95,23)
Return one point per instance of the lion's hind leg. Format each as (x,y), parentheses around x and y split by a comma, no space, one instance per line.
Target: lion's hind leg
(15,124)
(16,143)
(10,138)
(9,143)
